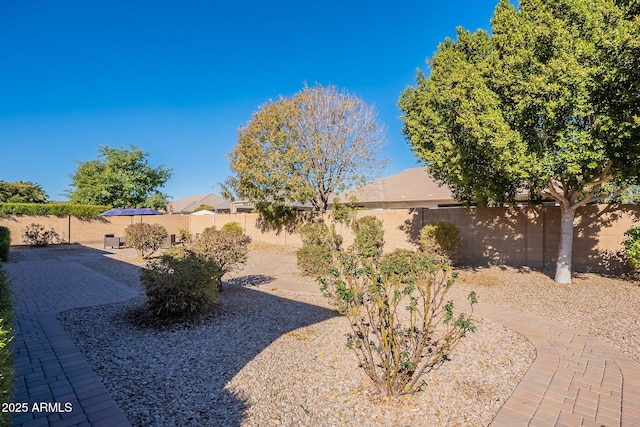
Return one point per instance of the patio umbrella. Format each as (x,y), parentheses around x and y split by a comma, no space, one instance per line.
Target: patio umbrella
(130,212)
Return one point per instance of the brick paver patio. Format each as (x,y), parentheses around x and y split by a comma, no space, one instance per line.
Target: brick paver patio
(576,379)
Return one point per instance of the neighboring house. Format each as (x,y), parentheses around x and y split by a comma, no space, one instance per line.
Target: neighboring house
(411,188)
(188,205)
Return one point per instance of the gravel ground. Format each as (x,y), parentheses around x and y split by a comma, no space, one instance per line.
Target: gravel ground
(271,357)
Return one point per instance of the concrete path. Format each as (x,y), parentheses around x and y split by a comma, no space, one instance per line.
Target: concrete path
(576,379)
(53,379)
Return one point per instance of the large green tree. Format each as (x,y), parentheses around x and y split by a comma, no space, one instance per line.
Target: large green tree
(548,101)
(305,148)
(21,192)
(121,178)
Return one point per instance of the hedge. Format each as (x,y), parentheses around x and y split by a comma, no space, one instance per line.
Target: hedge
(54,209)
(5,243)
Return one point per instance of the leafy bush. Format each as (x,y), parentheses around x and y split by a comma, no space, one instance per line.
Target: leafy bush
(5,243)
(185,235)
(318,242)
(6,336)
(232,227)
(441,241)
(227,248)
(204,207)
(55,209)
(394,347)
(145,238)
(632,248)
(369,236)
(37,235)
(181,282)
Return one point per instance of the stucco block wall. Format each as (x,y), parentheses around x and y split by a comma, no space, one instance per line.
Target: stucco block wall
(527,236)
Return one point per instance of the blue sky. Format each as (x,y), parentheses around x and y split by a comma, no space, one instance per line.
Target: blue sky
(177,78)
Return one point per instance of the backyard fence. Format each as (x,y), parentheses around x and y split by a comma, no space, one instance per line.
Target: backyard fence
(519,236)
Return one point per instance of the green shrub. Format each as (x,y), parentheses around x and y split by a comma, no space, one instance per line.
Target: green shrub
(318,243)
(37,235)
(395,348)
(145,238)
(369,237)
(632,248)
(180,282)
(232,227)
(5,243)
(226,248)
(440,241)
(6,336)
(204,207)
(55,209)
(185,235)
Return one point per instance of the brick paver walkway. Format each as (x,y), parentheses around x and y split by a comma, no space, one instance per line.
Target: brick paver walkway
(576,379)
(52,377)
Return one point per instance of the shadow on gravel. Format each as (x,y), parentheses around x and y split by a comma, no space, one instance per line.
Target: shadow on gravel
(177,373)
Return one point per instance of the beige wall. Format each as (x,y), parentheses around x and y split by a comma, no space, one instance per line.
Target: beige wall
(515,236)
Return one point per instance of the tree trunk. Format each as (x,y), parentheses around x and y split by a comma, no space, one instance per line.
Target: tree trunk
(563,265)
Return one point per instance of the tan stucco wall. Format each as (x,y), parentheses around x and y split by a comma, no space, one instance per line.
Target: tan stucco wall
(524,236)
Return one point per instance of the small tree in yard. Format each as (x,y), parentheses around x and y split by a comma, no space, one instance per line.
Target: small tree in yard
(146,239)
(228,248)
(632,248)
(394,347)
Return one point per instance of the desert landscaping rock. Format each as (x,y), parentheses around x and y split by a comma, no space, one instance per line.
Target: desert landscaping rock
(272,357)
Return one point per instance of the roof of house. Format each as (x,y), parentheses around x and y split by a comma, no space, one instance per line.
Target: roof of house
(191,203)
(410,185)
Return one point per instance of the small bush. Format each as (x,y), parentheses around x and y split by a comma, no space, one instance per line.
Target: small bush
(6,336)
(146,239)
(185,235)
(226,248)
(318,243)
(232,227)
(5,243)
(632,248)
(394,347)
(369,236)
(37,235)
(440,241)
(180,282)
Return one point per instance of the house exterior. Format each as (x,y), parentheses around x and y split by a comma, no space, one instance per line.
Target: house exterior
(189,204)
(411,188)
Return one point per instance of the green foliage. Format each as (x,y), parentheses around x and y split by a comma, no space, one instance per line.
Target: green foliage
(120,178)
(145,238)
(369,237)
(394,347)
(547,101)
(181,282)
(440,241)
(21,192)
(227,248)
(537,102)
(37,235)
(318,243)
(185,235)
(344,213)
(304,148)
(632,248)
(5,243)
(232,227)
(203,208)
(54,209)
(6,336)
